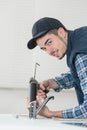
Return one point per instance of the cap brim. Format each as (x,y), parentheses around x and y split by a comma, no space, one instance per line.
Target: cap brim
(31,43)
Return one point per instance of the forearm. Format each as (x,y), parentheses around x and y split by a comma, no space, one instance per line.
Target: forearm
(65,81)
(77,112)
(56,114)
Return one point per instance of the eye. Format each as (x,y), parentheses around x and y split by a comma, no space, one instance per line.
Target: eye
(43,48)
(49,43)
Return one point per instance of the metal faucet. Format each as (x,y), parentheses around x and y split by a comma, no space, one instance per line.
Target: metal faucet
(33,108)
(43,104)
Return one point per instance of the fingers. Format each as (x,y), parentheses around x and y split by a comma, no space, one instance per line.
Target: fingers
(44,86)
(40,100)
(43,89)
(41,93)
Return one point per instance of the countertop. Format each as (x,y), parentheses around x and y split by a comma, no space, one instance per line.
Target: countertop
(8,121)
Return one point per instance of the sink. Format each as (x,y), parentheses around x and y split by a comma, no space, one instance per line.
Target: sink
(27,116)
(69,122)
(10,121)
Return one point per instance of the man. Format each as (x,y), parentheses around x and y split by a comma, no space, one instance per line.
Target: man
(52,36)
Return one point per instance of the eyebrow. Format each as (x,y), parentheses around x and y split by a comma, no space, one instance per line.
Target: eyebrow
(46,41)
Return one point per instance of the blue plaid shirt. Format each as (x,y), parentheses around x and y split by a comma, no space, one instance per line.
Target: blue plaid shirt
(65,81)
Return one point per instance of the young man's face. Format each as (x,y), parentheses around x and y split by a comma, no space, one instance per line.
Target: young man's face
(54,45)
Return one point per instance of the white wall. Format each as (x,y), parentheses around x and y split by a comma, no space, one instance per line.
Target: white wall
(16,20)
(15,59)
(14,101)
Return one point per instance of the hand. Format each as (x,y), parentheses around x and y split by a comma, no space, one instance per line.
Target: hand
(41,93)
(44,85)
(48,84)
(45,110)
(43,88)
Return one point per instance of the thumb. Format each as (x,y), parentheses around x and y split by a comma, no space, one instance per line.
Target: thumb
(39,100)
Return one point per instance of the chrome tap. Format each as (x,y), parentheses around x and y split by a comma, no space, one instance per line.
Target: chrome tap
(43,104)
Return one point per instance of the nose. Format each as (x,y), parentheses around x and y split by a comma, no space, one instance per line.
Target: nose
(50,51)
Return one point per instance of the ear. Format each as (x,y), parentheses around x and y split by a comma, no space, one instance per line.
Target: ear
(62,32)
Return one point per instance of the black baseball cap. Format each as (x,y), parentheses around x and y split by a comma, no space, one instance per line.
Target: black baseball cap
(41,27)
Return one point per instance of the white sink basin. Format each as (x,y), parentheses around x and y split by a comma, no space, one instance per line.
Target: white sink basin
(24,123)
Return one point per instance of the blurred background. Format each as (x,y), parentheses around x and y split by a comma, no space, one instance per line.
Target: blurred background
(17,62)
